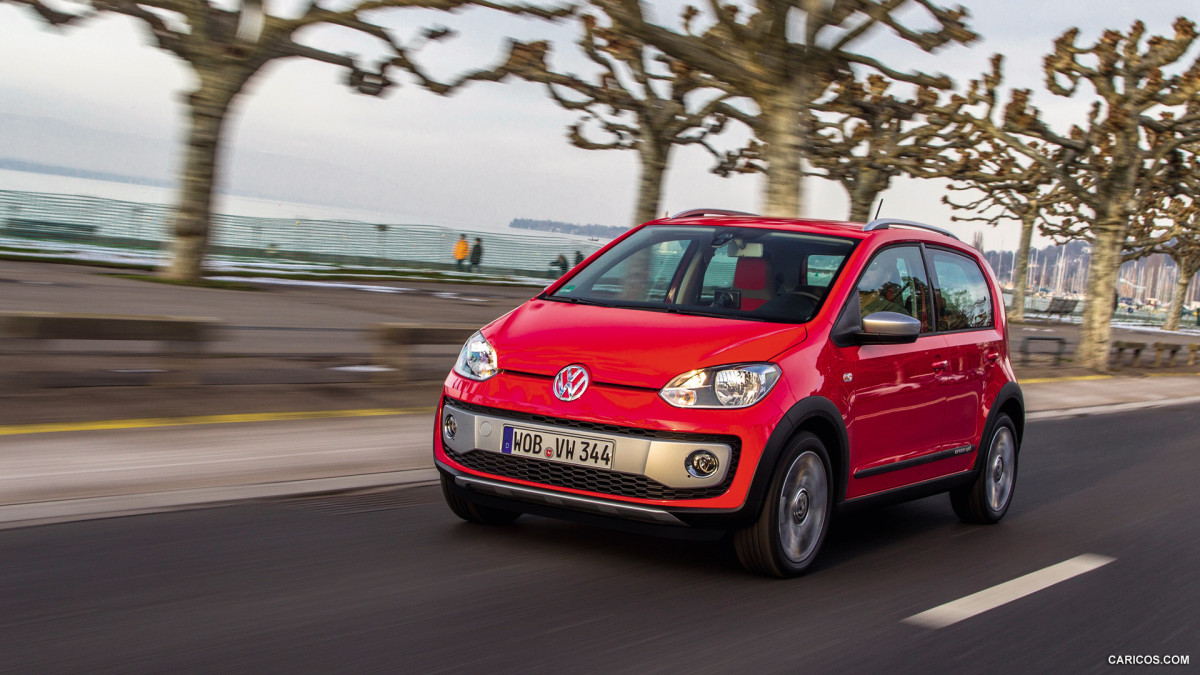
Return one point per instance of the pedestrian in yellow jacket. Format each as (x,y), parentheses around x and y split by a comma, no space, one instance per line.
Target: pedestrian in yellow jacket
(461,250)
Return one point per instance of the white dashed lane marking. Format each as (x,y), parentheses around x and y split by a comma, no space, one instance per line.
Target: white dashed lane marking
(991,598)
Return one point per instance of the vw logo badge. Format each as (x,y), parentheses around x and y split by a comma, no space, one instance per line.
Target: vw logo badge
(571,382)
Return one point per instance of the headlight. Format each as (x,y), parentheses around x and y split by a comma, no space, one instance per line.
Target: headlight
(477,360)
(721,386)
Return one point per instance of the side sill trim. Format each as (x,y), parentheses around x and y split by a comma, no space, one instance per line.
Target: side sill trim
(911,492)
(915,461)
(569,501)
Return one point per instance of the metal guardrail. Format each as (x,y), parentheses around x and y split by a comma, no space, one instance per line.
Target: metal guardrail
(396,344)
(181,340)
(54,326)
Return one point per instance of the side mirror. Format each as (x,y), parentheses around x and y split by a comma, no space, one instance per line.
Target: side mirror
(888,328)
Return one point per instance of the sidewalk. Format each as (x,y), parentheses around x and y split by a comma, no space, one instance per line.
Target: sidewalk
(87,466)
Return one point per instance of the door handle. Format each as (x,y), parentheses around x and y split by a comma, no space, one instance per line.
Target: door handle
(940,365)
(992,355)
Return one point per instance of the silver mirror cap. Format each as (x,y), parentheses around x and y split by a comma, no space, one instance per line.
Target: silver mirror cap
(891,323)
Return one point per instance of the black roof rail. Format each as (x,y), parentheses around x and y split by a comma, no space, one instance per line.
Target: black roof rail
(887,223)
(709,212)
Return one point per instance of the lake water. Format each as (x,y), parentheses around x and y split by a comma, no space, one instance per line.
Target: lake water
(23,181)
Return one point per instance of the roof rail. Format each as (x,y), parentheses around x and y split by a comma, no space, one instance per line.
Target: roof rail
(887,223)
(709,212)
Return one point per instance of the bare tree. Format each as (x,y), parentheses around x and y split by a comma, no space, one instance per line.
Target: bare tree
(640,101)
(862,136)
(754,56)
(1180,240)
(1002,187)
(225,49)
(1140,117)
(977,240)
(1185,251)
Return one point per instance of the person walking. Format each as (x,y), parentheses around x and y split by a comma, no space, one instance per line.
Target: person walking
(561,264)
(578,257)
(461,250)
(476,253)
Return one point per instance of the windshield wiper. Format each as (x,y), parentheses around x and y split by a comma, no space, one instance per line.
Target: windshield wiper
(718,315)
(576,301)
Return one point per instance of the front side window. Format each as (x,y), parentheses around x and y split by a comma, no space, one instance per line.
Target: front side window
(895,281)
(739,272)
(963,297)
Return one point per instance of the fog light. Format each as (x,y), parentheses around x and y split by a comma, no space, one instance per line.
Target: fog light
(449,426)
(701,464)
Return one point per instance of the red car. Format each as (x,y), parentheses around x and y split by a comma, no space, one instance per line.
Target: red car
(718,371)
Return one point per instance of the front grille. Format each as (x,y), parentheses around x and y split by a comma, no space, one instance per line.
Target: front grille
(582,477)
(586,478)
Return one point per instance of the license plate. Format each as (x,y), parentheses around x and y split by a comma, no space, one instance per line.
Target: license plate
(595,452)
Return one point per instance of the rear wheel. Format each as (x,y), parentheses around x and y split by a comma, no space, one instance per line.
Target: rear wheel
(789,531)
(474,513)
(986,500)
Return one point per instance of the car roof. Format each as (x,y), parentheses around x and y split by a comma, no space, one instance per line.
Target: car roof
(879,228)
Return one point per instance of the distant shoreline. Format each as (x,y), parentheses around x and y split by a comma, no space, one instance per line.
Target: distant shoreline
(70,172)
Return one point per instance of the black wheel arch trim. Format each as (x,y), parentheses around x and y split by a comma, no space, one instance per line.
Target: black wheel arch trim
(793,421)
(1009,392)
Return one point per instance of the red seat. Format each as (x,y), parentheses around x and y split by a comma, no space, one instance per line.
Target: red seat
(751,279)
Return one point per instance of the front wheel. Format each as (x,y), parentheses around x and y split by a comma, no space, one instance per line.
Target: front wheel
(788,534)
(986,500)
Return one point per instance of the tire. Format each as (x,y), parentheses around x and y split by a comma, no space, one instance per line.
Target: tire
(986,499)
(474,513)
(791,527)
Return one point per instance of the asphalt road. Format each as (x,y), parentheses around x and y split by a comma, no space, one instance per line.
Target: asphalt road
(391,582)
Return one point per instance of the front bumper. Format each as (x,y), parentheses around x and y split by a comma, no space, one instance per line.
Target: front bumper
(611,411)
(566,501)
(677,523)
(646,464)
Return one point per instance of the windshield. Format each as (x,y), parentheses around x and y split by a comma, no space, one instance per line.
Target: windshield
(739,272)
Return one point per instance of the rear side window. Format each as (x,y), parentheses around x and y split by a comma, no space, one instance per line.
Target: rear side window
(820,269)
(720,273)
(964,300)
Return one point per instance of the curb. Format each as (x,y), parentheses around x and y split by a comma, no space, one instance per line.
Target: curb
(1107,409)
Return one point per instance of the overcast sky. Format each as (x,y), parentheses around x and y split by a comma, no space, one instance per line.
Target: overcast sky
(96,96)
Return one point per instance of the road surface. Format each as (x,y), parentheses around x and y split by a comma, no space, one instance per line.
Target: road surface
(390,581)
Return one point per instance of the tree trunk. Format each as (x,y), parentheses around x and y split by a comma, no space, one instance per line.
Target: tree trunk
(1187,270)
(193,214)
(863,189)
(1021,275)
(781,132)
(860,205)
(1103,271)
(654,158)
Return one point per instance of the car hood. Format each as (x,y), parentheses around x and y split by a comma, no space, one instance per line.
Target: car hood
(629,347)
